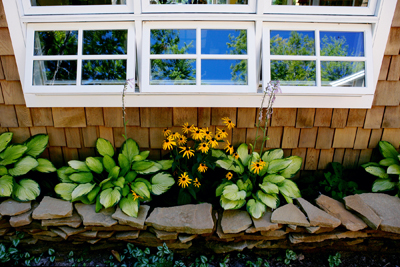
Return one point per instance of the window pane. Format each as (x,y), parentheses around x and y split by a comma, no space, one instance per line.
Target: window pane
(105,42)
(208,2)
(173,72)
(343,73)
(56,43)
(103,72)
(363,3)
(293,72)
(350,44)
(292,43)
(173,42)
(223,72)
(54,72)
(232,42)
(76,2)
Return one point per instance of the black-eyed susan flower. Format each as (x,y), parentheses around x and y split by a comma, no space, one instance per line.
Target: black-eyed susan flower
(181,140)
(218,136)
(203,147)
(135,196)
(207,133)
(202,167)
(222,132)
(228,122)
(197,134)
(166,132)
(213,143)
(175,135)
(229,175)
(184,180)
(169,143)
(186,128)
(235,155)
(228,148)
(196,183)
(187,152)
(257,166)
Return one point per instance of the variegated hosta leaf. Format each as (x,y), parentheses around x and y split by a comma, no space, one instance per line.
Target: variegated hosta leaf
(81,177)
(255,208)
(45,166)
(5,139)
(166,164)
(393,169)
(129,206)
(161,182)
(147,182)
(388,161)
(387,150)
(124,164)
(270,200)
(6,185)
(23,166)
(227,204)
(36,145)
(381,185)
(130,149)
(26,190)
(142,165)
(130,176)
(62,176)
(114,173)
(293,167)
(253,158)
(153,169)
(277,165)
(108,163)
(78,165)
(104,147)
(228,164)
(93,194)
(217,153)
(289,189)
(3,171)
(110,197)
(12,154)
(119,182)
(94,164)
(141,189)
(142,156)
(269,188)
(82,190)
(243,152)
(232,192)
(220,188)
(64,190)
(377,171)
(274,178)
(272,154)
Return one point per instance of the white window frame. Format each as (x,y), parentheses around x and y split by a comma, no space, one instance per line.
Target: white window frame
(80,27)
(317,28)
(251,87)
(84,9)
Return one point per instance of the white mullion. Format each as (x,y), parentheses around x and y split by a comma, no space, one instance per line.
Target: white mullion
(318,60)
(224,56)
(292,57)
(173,56)
(104,57)
(198,56)
(79,58)
(346,58)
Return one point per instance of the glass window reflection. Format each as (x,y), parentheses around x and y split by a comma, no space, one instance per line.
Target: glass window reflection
(103,72)
(355,3)
(232,42)
(105,42)
(173,41)
(292,42)
(343,73)
(49,43)
(199,2)
(346,44)
(54,72)
(76,2)
(223,72)
(293,72)
(173,72)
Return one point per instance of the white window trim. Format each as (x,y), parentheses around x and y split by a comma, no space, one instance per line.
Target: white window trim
(78,88)
(251,87)
(17,22)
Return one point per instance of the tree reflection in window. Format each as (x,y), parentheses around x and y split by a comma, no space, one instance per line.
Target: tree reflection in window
(76,2)
(200,2)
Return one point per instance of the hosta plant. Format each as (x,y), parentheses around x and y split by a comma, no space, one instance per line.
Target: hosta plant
(16,163)
(387,170)
(127,180)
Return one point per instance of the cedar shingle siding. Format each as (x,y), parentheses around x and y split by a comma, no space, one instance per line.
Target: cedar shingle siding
(318,135)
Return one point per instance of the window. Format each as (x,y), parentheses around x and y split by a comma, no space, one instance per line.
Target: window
(198,57)
(79,57)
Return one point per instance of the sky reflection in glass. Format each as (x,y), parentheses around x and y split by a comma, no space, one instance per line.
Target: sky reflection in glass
(292,43)
(173,72)
(173,41)
(223,72)
(346,44)
(219,42)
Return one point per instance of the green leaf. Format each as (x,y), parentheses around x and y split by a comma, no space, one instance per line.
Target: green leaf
(274,178)
(124,164)
(11,154)
(98,204)
(45,166)
(26,190)
(153,169)
(161,182)
(68,171)
(255,208)
(377,171)
(289,188)
(272,154)
(64,190)
(142,156)
(63,177)
(5,139)
(130,149)
(220,188)
(81,177)
(23,166)
(6,186)
(110,197)
(129,206)
(381,185)
(388,161)
(82,190)
(3,171)
(126,190)
(78,165)
(217,153)
(36,145)
(142,165)
(130,176)
(104,147)
(93,194)
(254,157)
(141,189)
(270,200)
(387,150)
(94,164)
(293,167)
(393,169)
(269,188)
(108,163)
(370,164)
(243,152)
(277,165)
(228,164)
(232,192)
(119,182)
(166,164)
(114,173)
(227,204)
(147,182)
(108,184)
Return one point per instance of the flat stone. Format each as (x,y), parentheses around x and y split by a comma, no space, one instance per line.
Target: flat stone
(105,234)
(311,238)
(357,204)
(49,238)
(74,221)
(36,224)
(289,214)
(24,218)
(223,235)
(150,240)
(338,210)
(264,223)
(313,229)
(184,238)
(235,221)
(44,233)
(316,216)
(164,235)
(71,231)
(4,223)
(60,233)
(112,228)
(137,222)
(190,219)
(10,207)
(93,241)
(4,231)
(324,230)
(219,247)
(276,233)
(52,208)
(293,227)
(90,217)
(387,208)
(127,235)
(88,234)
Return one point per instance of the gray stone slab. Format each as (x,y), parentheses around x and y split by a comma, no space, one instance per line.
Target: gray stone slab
(137,222)
(71,231)
(164,235)
(316,216)
(74,221)
(91,217)
(24,218)
(357,204)
(264,223)
(190,219)
(10,207)
(338,210)
(289,214)
(184,238)
(52,208)
(127,235)
(235,221)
